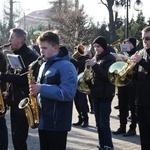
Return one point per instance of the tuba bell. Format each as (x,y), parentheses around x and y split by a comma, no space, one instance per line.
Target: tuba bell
(120,73)
(85,78)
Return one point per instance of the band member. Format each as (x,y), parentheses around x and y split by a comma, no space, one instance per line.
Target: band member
(56,86)
(19,88)
(143,92)
(3,127)
(127,97)
(80,99)
(102,91)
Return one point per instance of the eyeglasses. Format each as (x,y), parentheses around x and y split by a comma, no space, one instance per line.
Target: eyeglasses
(146,38)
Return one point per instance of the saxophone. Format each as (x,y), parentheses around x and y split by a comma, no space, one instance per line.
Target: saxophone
(30,104)
(2,105)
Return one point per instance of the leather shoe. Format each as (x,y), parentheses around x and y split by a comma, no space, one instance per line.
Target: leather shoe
(77,124)
(85,124)
(130,133)
(116,107)
(119,131)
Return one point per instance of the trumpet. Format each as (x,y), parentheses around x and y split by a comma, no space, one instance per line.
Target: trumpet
(81,51)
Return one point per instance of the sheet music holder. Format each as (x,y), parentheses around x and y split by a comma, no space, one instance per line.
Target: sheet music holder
(125,47)
(16,61)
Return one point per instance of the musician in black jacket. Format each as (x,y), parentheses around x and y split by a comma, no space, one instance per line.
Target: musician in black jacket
(143,92)
(3,127)
(19,88)
(102,91)
(80,99)
(127,97)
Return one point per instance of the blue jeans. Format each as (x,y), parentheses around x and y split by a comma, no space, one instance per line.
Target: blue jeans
(3,134)
(102,116)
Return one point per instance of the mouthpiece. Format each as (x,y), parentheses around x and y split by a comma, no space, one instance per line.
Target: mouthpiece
(5,45)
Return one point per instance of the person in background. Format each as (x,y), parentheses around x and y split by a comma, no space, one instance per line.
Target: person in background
(19,88)
(56,87)
(102,91)
(80,99)
(143,91)
(3,126)
(127,97)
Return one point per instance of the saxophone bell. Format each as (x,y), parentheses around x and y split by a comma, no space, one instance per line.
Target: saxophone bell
(25,104)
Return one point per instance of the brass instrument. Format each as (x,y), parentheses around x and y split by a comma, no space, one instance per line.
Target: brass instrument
(30,104)
(2,105)
(84,78)
(120,73)
(81,50)
(116,45)
(5,45)
(37,33)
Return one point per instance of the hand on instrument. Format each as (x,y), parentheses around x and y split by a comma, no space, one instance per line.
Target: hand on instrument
(35,88)
(136,58)
(120,56)
(90,62)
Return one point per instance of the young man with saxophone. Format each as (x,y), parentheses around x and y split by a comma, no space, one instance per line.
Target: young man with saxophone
(143,92)
(102,91)
(19,88)
(56,87)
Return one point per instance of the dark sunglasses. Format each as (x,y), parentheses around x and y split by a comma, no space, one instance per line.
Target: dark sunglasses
(146,38)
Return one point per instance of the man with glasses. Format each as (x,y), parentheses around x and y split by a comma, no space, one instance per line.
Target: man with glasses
(143,93)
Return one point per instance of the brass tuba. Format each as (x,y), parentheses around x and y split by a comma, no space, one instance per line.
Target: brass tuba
(120,73)
(30,104)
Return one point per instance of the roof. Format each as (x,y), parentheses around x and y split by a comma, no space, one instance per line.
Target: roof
(36,17)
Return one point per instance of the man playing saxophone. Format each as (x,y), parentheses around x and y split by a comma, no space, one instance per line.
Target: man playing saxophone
(143,92)
(102,91)
(19,88)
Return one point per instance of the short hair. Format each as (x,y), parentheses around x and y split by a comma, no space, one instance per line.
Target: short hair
(19,32)
(49,37)
(146,29)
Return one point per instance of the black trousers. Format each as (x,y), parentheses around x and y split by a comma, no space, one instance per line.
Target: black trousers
(144,127)
(3,134)
(52,140)
(19,128)
(126,96)
(81,105)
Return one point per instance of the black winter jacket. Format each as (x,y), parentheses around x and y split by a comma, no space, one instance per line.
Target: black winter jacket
(19,83)
(143,93)
(101,87)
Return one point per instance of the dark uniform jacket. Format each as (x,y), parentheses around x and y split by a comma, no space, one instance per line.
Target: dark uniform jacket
(143,93)
(101,87)
(19,88)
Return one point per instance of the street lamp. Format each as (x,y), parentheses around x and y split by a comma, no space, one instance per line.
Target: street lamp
(118,6)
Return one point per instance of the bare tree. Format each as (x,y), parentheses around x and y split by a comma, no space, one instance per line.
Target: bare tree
(73,23)
(112,19)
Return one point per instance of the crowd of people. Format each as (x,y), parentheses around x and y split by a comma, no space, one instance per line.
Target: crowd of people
(56,90)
